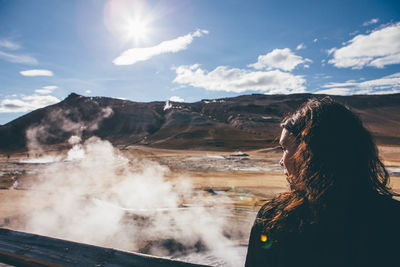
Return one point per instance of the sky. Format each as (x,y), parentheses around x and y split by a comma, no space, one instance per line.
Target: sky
(189,50)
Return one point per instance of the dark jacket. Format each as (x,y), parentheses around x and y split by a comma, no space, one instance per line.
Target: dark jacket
(364,236)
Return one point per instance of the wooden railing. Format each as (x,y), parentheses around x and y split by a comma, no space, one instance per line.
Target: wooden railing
(24,249)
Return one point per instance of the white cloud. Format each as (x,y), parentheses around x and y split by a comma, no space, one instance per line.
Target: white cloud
(15,58)
(27,103)
(335,91)
(42,91)
(331,51)
(315,40)
(322,76)
(134,55)
(354,33)
(370,22)
(301,46)
(5,43)
(18,58)
(88,91)
(46,89)
(176,99)
(386,85)
(283,59)
(50,87)
(36,72)
(237,80)
(377,49)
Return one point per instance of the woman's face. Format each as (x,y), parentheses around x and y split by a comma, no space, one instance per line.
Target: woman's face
(289,147)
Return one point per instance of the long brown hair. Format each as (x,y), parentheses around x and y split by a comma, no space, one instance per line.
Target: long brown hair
(337,164)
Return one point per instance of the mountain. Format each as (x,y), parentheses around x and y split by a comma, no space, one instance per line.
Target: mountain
(243,122)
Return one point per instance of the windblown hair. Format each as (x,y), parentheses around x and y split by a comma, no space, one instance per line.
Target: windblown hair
(336,164)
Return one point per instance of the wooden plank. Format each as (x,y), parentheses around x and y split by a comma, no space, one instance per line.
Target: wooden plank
(18,248)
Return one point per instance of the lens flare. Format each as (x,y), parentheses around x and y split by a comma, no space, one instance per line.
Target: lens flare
(264,238)
(267,242)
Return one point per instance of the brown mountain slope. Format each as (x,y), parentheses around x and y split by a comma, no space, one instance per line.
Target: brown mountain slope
(244,122)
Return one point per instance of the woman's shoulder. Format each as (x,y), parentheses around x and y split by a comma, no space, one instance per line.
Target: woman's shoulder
(265,209)
(389,210)
(387,206)
(392,203)
(382,218)
(271,206)
(382,227)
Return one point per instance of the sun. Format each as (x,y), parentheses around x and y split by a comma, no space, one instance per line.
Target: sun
(136,29)
(129,20)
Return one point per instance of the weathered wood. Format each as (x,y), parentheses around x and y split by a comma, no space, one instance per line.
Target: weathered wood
(24,249)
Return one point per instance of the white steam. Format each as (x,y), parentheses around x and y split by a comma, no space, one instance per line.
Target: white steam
(167,105)
(94,194)
(101,197)
(58,121)
(76,152)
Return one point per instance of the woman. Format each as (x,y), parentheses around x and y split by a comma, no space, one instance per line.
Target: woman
(339,210)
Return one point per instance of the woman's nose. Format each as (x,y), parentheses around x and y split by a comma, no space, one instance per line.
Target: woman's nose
(281,162)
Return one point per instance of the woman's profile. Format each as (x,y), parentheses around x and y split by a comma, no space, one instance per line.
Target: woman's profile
(340,209)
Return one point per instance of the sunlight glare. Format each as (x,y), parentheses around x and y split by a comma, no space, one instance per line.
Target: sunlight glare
(136,29)
(129,21)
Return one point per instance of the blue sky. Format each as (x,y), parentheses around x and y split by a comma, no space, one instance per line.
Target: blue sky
(190,50)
